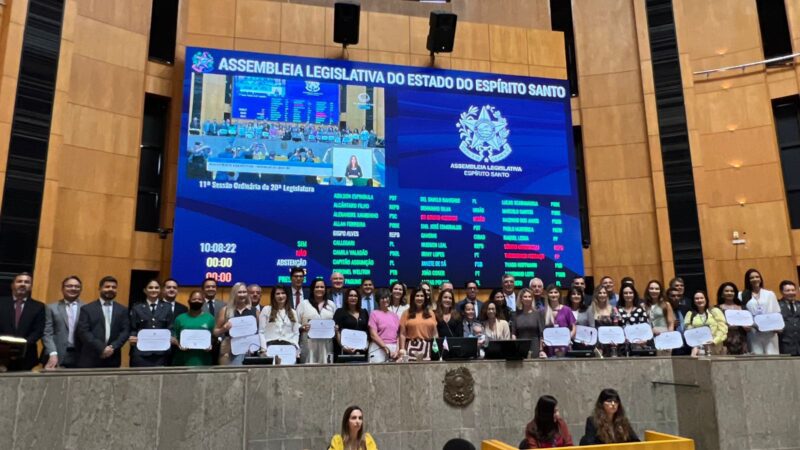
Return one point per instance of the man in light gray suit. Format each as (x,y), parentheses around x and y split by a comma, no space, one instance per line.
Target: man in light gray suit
(61,320)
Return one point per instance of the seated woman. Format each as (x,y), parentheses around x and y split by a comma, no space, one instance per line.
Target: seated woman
(495,328)
(278,322)
(608,424)
(702,315)
(352,435)
(547,429)
(558,315)
(238,306)
(315,351)
(351,317)
(448,319)
(528,323)
(384,330)
(418,327)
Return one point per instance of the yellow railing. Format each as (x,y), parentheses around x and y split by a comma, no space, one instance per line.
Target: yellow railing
(652,441)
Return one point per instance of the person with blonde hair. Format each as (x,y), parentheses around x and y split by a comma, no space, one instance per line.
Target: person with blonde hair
(238,306)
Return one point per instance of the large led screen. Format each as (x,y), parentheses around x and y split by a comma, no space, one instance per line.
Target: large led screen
(375,171)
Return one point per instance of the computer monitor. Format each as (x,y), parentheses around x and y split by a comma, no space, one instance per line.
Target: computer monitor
(508,349)
(458,348)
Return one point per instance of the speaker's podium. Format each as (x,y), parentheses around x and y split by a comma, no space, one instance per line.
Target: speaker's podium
(653,440)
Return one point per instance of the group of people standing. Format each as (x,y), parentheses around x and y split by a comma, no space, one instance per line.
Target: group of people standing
(399,325)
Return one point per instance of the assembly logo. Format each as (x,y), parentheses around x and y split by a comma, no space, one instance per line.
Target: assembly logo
(313,88)
(484,135)
(203,62)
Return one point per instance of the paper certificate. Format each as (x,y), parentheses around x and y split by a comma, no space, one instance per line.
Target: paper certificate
(153,340)
(195,339)
(641,332)
(243,344)
(586,335)
(286,353)
(354,339)
(769,322)
(321,329)
(556,337)
(669,340)
(611,335)
(697,337)
(243,326)
(739,318)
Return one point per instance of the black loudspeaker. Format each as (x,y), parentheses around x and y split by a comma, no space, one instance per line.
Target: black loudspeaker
(442,32)
(346,20)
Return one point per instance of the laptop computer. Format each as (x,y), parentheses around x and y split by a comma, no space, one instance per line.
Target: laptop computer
(508,349)
(458,348)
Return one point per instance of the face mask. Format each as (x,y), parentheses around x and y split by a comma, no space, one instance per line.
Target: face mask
(196,306)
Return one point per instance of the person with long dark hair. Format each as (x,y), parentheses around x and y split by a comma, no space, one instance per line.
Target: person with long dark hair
(351,317)
(495,328)
(704,315)
(547,429)
(317,307)
(353,435)
(277,323)
(728,300)
(504,310)
(397,303)
(418,327)
(608,423)
(353,168)
(759,301)
(448,319)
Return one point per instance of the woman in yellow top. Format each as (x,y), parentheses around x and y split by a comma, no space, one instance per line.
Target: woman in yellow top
(702,315)
(353,436)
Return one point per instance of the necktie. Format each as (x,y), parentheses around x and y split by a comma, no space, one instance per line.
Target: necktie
(107,314)
(70,323)
(792,305)
(17,312)
(297,299)
(211,307)
(153,309)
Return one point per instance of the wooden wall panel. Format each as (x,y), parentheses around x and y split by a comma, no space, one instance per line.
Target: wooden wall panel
(622,210)
(734,148)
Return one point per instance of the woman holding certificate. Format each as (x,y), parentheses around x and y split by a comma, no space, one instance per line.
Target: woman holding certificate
(418,327)
(278,322)
(315,351)
(238,306)
(384,330)
(728,300)
(351,317)
(760,301)
(194,319)
(704,315)
(558,315)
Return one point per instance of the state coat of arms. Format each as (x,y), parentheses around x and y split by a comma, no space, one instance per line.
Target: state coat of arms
(484,134)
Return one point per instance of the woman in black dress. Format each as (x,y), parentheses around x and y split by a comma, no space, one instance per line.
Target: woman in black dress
(350,317)
(448,319)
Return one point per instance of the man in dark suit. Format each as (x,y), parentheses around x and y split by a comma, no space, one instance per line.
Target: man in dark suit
(213,307)
(171,296)
(22,317)
(471,287)
(150,314)
(103,328)
(61,321)
(297,291)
